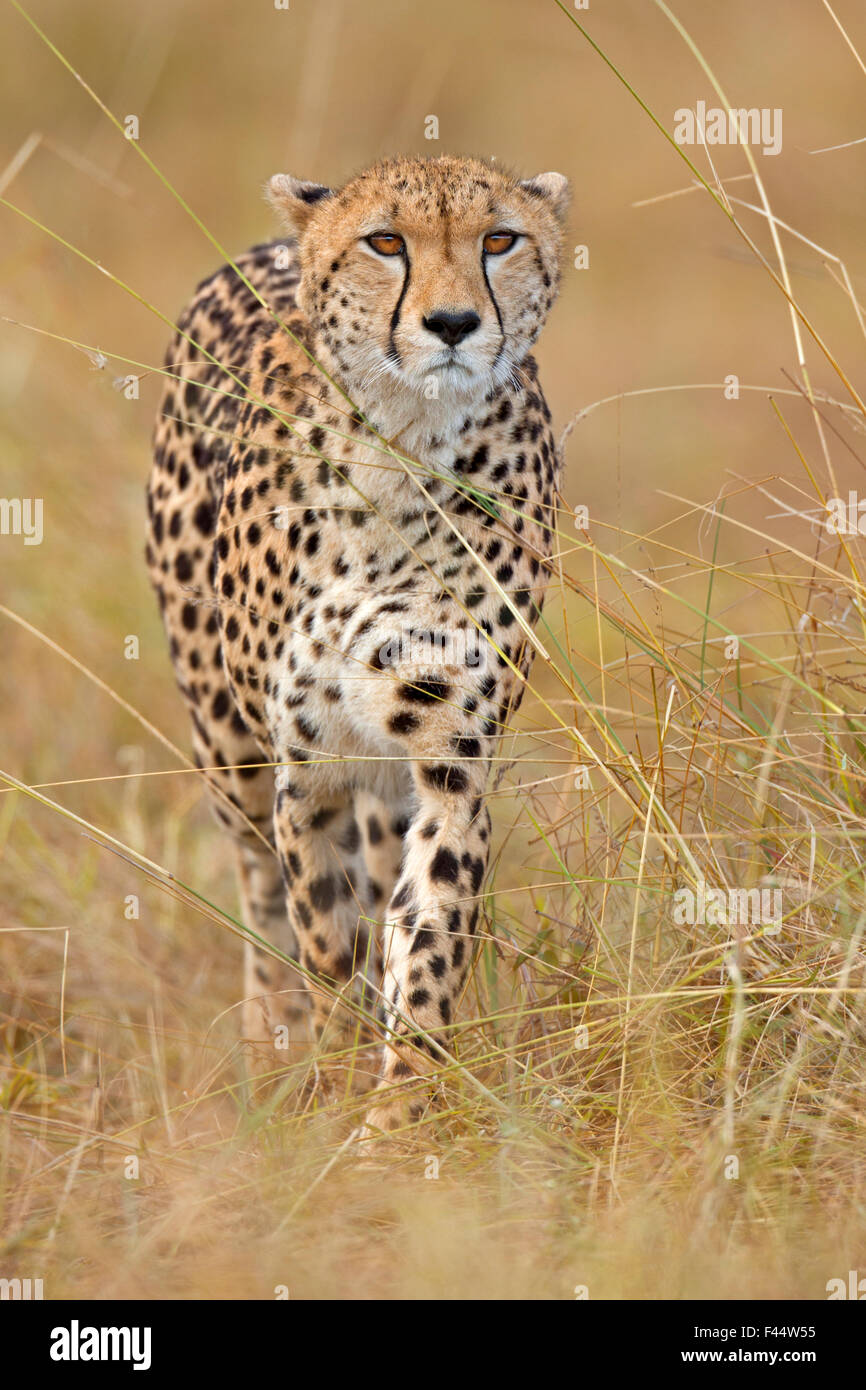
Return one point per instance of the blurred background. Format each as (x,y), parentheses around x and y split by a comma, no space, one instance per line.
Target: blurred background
(226,94)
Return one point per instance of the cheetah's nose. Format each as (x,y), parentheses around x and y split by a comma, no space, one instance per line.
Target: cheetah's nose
(452,328)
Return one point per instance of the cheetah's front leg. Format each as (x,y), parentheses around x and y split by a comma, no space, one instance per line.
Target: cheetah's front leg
(327,897)
(430,926)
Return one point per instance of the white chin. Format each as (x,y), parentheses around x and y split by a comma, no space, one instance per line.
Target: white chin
(460,378)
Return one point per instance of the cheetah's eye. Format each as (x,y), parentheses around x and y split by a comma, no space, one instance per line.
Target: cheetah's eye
(386,243)
(495,243)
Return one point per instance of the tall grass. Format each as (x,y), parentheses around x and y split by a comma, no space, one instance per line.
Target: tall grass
(638,1105)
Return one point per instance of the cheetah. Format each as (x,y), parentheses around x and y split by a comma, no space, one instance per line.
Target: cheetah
(351,519)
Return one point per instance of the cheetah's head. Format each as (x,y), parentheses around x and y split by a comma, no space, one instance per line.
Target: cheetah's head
(423,271)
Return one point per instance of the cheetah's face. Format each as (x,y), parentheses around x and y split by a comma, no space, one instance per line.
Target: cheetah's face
(429,276)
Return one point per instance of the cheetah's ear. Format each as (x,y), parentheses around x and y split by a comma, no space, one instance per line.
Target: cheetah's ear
(552,187)
(294,199)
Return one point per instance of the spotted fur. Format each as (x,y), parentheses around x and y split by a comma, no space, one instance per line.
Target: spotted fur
(350,515)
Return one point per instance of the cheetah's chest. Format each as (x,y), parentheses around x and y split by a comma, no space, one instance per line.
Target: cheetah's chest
(322,563)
